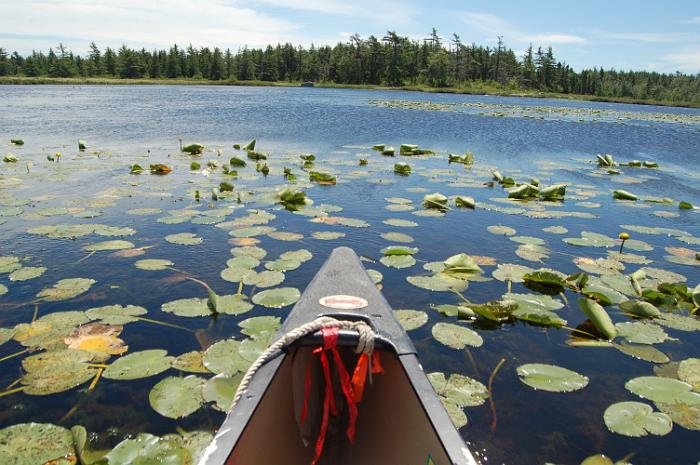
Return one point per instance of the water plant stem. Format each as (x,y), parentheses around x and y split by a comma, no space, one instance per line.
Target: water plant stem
(36,312)
(7,357)
(492,403)
(171,325)
(12,391)
(96,378)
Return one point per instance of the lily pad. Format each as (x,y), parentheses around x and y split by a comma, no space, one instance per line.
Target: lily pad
(511,272)
(183,239)
(58,377)
(397,237)
(459,389)
(153,264)
(636,419)
(438,282)
(188,307)
(27,273)
(599,317)
(664,390)
(301,255)
(411,319)
(109,245)
(116,314)
(224,357)
(220,390)
(260,326)
(36,443)
(139,365)
(66,289)
(551,378)
(175,397)
(689,371)
(398,261)
(277,297)
(149,449)
(683,414)
(190,362)
(283,265)
(3,289)
(500,230)
(455,336)
(638,332)
(234,304)
(643,352)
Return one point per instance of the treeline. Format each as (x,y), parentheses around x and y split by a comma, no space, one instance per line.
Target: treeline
(390,60)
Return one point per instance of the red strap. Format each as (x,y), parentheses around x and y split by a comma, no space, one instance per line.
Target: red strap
(351,391)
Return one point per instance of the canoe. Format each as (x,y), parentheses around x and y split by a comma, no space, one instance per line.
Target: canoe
(287,408)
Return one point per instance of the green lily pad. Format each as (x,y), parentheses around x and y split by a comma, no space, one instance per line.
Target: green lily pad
(116,314)
(511,272)
(220,390)
(532,252)
(689,371)
(35,443)
(397,237)
(641,332)
(398,261)
(599,317)
(149,449)
(175,397)
(183,239)
(277,297)
(636,419)
(500,230)
(459,389)
(109,245)
(455,336)
(66,289)
(683,414)
(327,235)
(399,223)
(40,361)
(251,251)
(455,412)
(556,230)
(27,273)
(234,304)
(58,377)
(301,255)
(439,283)
(664,390)
(264,326)
(282,265)
(250,349)
(375,276)
(643,352)
(138,365)
(190,362)
(188,307)
(461,266)
(551,378)
(223,357)
(153,264)
(235,275)
(6,334)
(263,279)
(679,322)
(3,289)
(411,319)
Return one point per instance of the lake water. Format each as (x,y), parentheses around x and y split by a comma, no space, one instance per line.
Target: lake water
(555,141)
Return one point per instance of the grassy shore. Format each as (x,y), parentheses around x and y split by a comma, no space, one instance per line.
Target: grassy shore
(473,88)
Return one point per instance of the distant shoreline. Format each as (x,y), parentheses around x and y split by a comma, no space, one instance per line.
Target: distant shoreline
(476,89)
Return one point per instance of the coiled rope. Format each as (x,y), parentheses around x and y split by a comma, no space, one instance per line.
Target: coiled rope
(364,345)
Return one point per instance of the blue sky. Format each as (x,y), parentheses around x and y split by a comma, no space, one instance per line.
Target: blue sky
(620,34)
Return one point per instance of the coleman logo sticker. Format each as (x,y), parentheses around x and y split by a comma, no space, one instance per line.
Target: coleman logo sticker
(343,302)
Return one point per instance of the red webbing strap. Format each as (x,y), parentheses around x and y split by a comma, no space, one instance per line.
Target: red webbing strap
(352,389)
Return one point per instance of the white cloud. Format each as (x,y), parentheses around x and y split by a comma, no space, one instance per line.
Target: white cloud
(687,61)
(138,23)
(398,12)
(551,39)
(647,37)
(496,26)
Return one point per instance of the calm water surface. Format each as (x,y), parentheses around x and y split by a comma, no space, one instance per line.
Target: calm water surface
(141,124)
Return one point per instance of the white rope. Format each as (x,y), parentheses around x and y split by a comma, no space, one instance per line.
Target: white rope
(365,344)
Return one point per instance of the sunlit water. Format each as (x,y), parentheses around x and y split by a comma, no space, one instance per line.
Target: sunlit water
(123,125)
